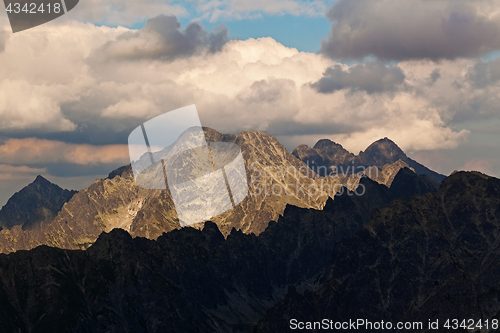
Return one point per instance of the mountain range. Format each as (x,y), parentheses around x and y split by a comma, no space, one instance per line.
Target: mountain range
(275,176)
(187,280)
(408,248)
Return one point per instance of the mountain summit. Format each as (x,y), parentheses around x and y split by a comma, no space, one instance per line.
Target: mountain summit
(38,202)
(327,155)
(382,152)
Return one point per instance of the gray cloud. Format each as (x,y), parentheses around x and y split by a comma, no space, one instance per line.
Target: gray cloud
(287,127)
(484,74)
(252,85)
(162,38)
(479,91)
(372,77)
(76,170)
(435,75)
(271,91)
(411,29)
(218,39)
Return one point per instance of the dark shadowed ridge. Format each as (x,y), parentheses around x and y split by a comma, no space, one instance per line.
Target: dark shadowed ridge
(434,257)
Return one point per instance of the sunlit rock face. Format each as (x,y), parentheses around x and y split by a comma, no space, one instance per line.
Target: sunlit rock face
(274,178)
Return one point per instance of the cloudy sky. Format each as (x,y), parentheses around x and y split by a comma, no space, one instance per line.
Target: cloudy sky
(425,73)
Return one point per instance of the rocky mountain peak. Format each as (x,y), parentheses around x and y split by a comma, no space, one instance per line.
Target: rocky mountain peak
(327,154)
(383,151)
(41,180)
(121,171)
(212,135)
(256,137)
(39,202)
(327,143)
